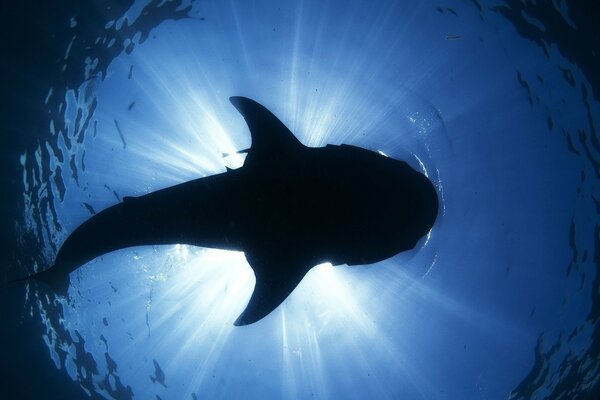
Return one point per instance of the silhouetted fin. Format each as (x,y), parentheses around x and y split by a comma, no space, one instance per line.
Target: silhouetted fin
(270,137)
(276,277)
(55,280)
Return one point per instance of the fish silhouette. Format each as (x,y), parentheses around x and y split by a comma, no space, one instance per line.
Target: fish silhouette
(289,208)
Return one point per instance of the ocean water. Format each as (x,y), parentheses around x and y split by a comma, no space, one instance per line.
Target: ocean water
(497,101)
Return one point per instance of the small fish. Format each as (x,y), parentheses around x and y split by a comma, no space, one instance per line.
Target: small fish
(89,208)
(120,134)
(159,375)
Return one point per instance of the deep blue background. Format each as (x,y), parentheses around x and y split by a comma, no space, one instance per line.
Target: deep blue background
(538,221)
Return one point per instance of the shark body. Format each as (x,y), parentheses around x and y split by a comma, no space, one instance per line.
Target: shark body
(289,208)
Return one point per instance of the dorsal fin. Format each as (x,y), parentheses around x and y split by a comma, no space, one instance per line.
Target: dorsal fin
(270,137)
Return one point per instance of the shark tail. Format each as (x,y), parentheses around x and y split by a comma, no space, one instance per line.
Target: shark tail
(56,281)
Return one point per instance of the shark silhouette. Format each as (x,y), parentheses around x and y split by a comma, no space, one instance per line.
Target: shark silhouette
(289,208)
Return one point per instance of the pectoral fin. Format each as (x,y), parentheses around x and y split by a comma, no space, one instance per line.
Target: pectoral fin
(276,277)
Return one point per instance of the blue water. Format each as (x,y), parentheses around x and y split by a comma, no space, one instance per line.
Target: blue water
(496,101)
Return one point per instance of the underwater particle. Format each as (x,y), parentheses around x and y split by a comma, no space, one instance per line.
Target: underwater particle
(568,75)
(570,145)
(573,333)
(89,208)
(525,85)
(477,4)
(113,191)
(130,73)
(130,106)
(120,133)
(453,37)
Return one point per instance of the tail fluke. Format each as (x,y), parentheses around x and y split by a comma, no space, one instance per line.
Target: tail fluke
(51,278)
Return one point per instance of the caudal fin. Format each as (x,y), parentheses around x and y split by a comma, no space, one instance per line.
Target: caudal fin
(57,281)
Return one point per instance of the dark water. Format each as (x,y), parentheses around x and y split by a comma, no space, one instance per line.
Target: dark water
(496,101)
